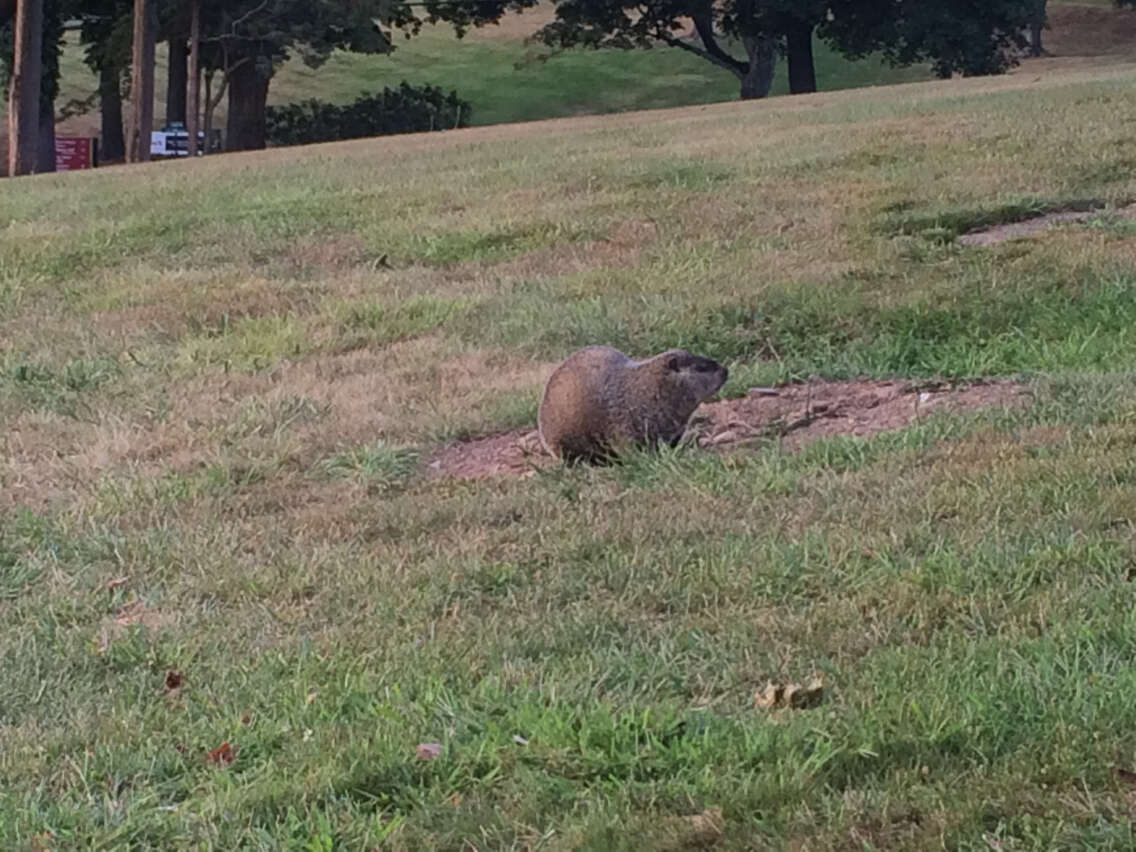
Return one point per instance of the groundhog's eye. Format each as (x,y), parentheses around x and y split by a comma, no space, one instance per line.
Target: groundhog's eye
(672,364)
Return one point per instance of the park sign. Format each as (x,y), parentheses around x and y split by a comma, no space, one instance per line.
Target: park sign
(76,152)
(173,141)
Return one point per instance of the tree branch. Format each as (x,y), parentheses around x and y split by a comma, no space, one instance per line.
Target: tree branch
(721,58)
(704,26)
(232,33)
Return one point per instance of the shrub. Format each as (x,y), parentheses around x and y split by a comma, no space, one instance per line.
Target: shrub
(407,109)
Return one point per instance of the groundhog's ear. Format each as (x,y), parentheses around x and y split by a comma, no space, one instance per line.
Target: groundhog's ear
(672,363)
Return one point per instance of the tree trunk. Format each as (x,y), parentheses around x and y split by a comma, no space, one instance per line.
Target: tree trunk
(207,118)
(141,83)
(193,111)
(802,71)
(45,160)
(24,89)
(176,79)
(50,51)
(110,106)
(248,95)
(758,78)
(1036,26)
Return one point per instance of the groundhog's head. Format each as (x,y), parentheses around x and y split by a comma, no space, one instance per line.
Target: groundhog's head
(697,376)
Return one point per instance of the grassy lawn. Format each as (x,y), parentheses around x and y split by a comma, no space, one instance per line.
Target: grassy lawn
(218,524)
(483,68)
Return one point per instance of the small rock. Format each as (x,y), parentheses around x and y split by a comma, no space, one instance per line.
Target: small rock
(727,437)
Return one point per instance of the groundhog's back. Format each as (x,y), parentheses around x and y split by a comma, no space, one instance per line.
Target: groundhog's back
(578,396)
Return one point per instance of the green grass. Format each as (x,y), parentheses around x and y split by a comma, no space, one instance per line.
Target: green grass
(223,385)
(505,80)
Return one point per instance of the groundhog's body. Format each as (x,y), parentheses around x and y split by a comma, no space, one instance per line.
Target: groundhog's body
(599,400)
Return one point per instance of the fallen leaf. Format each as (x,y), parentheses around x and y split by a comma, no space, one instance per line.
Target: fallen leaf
(789,695)
(179,748)
(173,680)
(1126,775)
(519,740)
(223,755)
(311,697)
(118,582)
(428,751)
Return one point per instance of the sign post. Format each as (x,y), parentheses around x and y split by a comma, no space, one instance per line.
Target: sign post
(76,152)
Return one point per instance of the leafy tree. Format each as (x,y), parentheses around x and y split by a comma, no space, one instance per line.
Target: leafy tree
(247,40)
(39,69)
(105,34)
(24,69)
(968,36)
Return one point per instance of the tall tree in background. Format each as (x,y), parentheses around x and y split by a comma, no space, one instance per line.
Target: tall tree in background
(245,41)
(105,33)
(968,37)
(193,112)
(24,89)
(141,82)
(173,19)
(51,15)
(54,11)
(177,77)
(1037,24)
(971,36)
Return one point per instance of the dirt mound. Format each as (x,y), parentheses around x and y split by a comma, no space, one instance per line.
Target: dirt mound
(794,415)
(1013,230)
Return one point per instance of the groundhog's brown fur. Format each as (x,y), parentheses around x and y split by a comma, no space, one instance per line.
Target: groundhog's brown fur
(599,401)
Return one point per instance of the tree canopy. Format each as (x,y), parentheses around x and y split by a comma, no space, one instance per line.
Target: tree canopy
(967,36)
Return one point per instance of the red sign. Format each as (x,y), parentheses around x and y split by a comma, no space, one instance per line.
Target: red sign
(73,152)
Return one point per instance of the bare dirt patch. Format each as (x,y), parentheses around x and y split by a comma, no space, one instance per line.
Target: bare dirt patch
(794,415)
(1036,224)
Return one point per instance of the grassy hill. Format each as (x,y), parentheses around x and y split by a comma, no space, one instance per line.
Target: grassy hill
(222,384)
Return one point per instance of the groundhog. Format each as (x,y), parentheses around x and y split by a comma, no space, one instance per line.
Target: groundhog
(599,401)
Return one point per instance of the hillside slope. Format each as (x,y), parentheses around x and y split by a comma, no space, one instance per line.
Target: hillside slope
(246,606)
(508,80)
